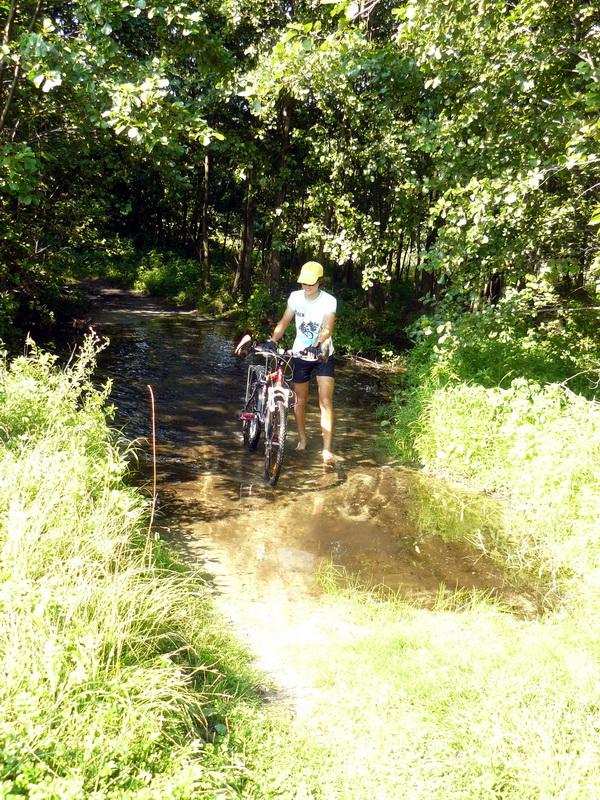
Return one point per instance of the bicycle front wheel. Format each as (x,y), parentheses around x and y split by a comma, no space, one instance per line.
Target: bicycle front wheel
(250,416)
(275,433)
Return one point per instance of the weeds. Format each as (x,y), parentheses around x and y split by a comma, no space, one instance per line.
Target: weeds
(531,440)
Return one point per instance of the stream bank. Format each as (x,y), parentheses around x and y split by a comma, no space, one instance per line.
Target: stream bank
(264,549)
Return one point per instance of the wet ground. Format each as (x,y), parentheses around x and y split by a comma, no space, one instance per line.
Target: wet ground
(378,523)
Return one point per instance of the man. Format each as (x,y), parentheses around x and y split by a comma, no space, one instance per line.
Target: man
(314,312)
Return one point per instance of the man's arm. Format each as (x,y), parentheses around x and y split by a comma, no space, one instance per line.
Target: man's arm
(281,326)
(326,328)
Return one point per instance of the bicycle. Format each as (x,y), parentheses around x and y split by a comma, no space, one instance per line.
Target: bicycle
(267,402)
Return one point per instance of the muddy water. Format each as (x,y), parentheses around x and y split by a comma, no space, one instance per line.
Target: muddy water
(379,523)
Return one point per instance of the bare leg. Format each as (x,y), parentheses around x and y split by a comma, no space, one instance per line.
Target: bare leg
(301,390)
(326,386)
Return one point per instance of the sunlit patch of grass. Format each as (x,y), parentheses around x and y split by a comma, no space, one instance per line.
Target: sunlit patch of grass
(533,445)
(539,448)
(460,701)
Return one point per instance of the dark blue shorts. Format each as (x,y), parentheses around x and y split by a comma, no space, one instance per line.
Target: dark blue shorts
(304,370)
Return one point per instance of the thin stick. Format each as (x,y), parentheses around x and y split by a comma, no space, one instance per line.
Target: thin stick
(153,416)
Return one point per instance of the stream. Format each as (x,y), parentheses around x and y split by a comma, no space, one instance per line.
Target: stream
(261,548)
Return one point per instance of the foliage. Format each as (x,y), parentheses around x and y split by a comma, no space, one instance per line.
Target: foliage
(260,310)
(487,400)
(529,333)
(86,93)
(371,332)
(169,275)
(374,138)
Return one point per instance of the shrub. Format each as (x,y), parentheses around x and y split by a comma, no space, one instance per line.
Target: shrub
(487,400)
(170,276)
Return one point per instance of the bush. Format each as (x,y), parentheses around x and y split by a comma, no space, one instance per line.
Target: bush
(368,332)
(527,334)
(170,276)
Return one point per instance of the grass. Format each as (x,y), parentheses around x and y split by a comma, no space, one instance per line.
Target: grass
(459,701)
(504,401)
(117,678)
(119,681)
(160,273)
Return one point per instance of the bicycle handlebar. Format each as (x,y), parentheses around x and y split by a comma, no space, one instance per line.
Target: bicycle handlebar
(246,345)
(280,351)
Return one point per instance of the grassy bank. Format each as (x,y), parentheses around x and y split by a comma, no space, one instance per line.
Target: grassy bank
(117,680)
(505,401)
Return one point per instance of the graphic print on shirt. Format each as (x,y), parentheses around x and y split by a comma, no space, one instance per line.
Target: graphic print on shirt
(309,329)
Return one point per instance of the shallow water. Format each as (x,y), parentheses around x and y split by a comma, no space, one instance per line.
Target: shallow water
(377,522)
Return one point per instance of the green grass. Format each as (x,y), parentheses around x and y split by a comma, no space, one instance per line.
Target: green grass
(117,678)
(462,701)
(503,401)
(119,681)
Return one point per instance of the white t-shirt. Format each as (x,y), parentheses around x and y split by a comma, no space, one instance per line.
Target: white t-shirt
(309,315)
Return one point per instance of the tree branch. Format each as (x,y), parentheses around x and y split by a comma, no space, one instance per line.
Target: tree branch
(17,71)
(7,36)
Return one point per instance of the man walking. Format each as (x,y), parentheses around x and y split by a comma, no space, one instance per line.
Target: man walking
(314,313)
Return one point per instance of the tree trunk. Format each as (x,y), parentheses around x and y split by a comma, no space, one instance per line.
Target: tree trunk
(6,38)
(398,260)
(243,274)
(284,125)
(204,251)
(17,69)
(328,218)
(226,232)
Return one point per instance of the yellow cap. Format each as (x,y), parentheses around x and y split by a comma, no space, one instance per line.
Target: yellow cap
(310,272)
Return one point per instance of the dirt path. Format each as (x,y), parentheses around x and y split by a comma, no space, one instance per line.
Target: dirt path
(263,548)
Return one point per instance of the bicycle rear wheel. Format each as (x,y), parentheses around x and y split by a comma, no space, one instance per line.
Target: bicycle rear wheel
(251,425)
(275,433)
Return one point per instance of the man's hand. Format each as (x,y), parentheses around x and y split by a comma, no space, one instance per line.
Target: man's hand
(314,350)
(268,345)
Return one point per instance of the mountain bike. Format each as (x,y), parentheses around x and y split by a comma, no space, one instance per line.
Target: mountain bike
(267,402)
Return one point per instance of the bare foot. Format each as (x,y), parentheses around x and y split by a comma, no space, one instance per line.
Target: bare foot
(301,444)
(329,458)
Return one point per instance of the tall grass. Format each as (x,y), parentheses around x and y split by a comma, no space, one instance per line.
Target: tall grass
(489,401)
(456,702)
(116,678)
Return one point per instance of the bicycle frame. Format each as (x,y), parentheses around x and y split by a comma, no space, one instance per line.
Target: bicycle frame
(267,402)
(275,382)
(277,387)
